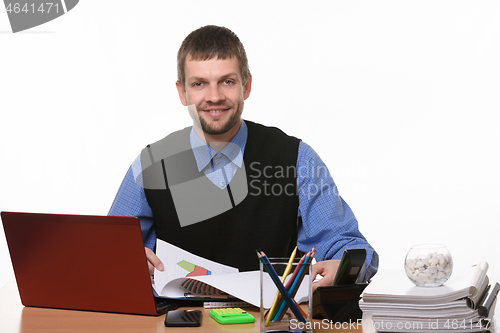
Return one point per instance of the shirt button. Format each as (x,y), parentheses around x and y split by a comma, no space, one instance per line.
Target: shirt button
(219,156)
(222,183)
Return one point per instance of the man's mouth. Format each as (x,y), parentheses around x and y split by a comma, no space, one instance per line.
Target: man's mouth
(217,112)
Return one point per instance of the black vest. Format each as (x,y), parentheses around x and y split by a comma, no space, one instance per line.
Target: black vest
(258,209)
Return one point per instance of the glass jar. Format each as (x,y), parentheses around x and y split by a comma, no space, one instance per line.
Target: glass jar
(428,265)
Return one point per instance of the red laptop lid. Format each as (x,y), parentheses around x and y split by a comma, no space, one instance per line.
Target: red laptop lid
(79,262)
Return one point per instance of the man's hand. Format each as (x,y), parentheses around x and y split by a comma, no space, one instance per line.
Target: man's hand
(153,262)
(327,269)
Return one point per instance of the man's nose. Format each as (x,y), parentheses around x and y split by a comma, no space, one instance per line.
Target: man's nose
(215,94)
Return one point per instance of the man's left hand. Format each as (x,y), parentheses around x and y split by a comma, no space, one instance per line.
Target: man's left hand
(327,269)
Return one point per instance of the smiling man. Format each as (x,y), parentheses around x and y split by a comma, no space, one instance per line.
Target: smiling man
(226,186)
(217,90)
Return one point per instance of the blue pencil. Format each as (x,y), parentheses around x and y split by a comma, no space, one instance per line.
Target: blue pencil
(274,276)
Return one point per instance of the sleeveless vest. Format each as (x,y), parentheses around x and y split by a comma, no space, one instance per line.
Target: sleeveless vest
(257,209)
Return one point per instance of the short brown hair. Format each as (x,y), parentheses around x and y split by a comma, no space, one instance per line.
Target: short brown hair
(208,42)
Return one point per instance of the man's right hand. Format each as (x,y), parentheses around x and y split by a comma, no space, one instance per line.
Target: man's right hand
(153,262)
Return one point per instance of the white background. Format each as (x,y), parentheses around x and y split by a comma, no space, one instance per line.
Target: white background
(399,98)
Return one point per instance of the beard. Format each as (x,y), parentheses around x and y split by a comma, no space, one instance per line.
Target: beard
(219,127)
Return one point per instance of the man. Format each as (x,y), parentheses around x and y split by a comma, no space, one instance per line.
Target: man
(225,187)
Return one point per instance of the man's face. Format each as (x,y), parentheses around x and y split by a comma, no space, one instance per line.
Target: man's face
(216,88)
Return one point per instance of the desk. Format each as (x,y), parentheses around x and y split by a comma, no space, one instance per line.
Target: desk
(15,318)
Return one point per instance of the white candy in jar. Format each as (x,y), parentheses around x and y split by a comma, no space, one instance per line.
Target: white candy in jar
(429,268)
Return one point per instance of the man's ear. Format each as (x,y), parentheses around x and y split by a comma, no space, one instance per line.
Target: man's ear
(247,87)
(182,93)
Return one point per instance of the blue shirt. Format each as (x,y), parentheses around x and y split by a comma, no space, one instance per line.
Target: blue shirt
(327,220)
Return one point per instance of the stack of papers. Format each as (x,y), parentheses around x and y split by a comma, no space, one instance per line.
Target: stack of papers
(397,305)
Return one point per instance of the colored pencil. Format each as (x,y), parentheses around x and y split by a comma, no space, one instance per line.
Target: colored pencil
(285,274)
(293,286)
(289,283)
(278,314)
(272,273)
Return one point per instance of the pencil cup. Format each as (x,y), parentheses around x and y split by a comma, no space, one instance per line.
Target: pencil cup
(285,306)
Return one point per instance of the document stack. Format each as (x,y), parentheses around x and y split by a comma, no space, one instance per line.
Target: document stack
(465,303)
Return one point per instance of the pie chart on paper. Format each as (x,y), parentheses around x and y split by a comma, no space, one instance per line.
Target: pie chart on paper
(193,270)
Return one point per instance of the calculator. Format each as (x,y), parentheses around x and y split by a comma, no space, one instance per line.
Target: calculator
(231,316)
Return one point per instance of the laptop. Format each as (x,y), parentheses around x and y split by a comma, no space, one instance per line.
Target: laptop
(81,262)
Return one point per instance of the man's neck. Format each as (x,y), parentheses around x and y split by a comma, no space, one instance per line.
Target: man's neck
(218,141)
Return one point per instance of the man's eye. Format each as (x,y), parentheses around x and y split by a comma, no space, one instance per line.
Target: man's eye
(197,84)
(228,82)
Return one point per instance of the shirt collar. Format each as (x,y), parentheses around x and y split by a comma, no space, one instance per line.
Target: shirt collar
(234,150)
